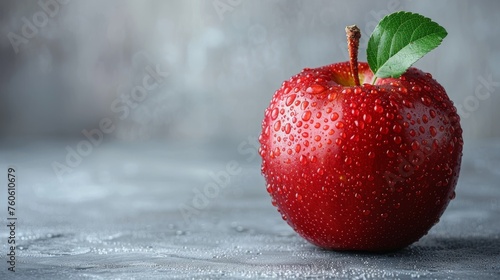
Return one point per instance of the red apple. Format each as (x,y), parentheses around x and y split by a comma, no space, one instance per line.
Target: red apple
(361,167)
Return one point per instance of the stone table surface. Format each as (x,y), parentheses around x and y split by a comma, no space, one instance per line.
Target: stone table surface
(117,215)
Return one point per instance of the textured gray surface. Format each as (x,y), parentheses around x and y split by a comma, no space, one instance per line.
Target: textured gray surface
(117,217)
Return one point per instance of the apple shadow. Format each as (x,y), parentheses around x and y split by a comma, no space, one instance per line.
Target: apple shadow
(442,251)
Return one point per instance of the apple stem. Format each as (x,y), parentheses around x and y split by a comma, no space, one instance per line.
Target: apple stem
(353,34)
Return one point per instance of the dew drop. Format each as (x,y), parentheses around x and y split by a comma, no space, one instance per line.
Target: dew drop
(314,159)
(379,109)
(304,105)
(277,125)
(433,131)
(315,89)
(317,138)
(269,188)
(416,88)
(299,197)
(334,116)
(305,134)
(288,129)
(453,195)
(332,96)
(426,100)
(274,114)
(339,125)
(266,132)
(306,115)
(303,159)
(290,99)
(298,148)
(407,103)
(397,128)
(367,118)
(415,145)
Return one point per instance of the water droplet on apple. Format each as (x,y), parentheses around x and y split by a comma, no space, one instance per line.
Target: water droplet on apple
(433,131)
(367,118)
(304,104)
(408,103)
(269,188)
(416,88)
(277,125)
(315,89)
(306,115)
(299,197)
(314,159)
(298,148)
(334,116)
(290,99)
(453,195)
(379,109)
(415,145)
(274,113)
(303,159)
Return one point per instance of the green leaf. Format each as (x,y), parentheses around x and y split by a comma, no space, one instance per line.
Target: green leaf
(399,40)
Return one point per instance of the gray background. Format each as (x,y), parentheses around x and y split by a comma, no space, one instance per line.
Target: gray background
(224,65)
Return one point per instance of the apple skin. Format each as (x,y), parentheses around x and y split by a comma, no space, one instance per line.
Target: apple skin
(369,167)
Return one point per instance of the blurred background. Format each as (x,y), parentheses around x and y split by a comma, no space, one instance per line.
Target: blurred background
(66,65)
